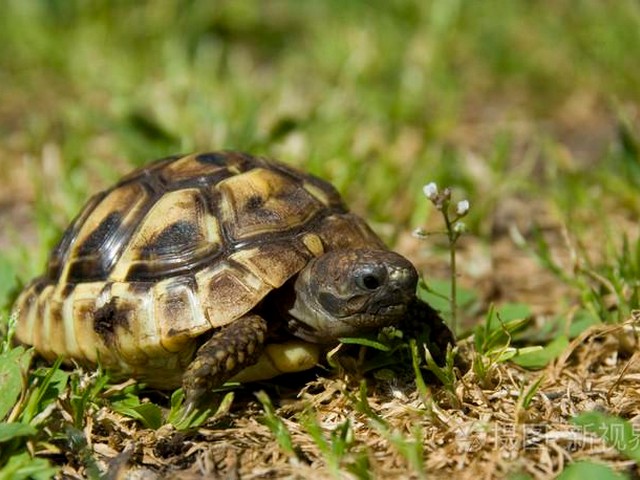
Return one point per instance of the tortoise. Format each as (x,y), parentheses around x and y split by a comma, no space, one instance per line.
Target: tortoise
(202,268)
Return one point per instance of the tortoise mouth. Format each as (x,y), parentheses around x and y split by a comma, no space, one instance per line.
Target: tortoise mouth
(394,309)
(331,330)
(306,332)
(390,305)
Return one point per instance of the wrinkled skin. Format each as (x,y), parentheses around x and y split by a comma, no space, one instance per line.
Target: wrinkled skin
(342,293)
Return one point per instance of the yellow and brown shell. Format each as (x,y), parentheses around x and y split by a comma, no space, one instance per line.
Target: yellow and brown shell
(178,248)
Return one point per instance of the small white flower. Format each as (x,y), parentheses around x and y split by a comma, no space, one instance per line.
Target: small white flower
(463,207)
(430,190)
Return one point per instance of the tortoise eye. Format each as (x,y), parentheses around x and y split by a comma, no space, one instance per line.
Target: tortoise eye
(371,277)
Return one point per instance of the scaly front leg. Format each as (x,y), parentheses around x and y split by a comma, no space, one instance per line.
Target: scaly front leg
(228,351)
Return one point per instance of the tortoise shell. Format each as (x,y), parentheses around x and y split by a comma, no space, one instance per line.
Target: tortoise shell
(182,246)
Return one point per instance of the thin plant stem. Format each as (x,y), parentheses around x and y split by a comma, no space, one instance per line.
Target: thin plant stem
(453,301)
(454,289)
(454,228)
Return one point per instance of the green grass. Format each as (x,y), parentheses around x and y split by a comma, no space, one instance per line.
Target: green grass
(532,101)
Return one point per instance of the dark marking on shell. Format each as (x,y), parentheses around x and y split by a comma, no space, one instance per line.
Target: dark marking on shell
(38,285)
(335,200)
(149,271)
(140,288)
(89,269)
(108,318)
(96,239)
(176,305)
(265,216)
(68,289)
(254,202)
(172,332)
(60,253)
(173,306)
(203,182)
(56,318)
(214,158)
(142,272)
(174,239)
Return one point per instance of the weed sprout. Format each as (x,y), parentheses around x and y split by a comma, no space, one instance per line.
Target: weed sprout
(454,229)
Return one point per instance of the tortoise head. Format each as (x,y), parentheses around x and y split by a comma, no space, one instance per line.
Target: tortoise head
(347,293)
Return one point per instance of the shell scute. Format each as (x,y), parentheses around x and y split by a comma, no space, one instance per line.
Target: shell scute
(262,202)
(176,234)
(127,321)
(102,236)
(84,299)
(228,291)
(191,169)
(41,336)
(346,230)
(275,262)
(178,313)
(61,251)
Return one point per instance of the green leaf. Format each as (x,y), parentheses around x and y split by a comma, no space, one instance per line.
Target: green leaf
(49,383)
(276,425)
(332,450)
(11,381)
(527,395)
(513,311)
(436,293)
(613,430)
(82,396)
(22,467)
(541,357)
(13,364)
(410,447)
(148,413)
(499,324)
(415,361)
(366,342)
(582,320)
(492,340)
(12,430)
(590,471)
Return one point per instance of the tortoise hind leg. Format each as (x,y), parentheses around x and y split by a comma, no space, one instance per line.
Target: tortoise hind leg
(229,350)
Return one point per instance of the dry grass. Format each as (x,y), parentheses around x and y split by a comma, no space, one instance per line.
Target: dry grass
(482,433)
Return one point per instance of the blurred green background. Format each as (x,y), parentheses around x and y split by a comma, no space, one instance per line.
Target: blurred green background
(528,109)
(496,98)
